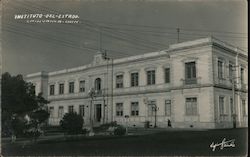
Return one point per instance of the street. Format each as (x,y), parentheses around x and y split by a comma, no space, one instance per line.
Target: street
(156,144)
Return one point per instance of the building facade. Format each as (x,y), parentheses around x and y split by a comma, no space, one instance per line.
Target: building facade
(199,84)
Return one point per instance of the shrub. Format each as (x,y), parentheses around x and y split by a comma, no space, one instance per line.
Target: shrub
(105,127)
(120,130)
(33,134)
(72,123)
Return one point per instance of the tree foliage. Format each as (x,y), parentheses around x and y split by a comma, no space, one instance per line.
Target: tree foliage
(22,109)
(72,123)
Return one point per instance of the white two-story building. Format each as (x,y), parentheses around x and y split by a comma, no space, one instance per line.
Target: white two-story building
(189,83)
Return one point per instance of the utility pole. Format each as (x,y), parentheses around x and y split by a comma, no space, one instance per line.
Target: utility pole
(234,108)
(100,38)
(91,94)
(104,106)
(233,94)
(178,35)
(112,82)
(155,115)
(112,71)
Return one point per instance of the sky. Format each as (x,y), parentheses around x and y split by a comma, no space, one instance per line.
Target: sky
(123,27)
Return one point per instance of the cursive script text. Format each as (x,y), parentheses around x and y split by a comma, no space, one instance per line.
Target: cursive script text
(223,144)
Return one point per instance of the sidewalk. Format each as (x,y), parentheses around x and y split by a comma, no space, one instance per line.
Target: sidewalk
(144,131)
(7,140)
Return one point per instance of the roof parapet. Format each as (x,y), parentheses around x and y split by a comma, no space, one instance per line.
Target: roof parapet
(38,74)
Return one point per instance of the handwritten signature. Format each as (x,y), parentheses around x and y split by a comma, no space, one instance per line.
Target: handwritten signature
(223,144)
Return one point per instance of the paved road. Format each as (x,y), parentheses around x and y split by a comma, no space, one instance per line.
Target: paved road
(162,143)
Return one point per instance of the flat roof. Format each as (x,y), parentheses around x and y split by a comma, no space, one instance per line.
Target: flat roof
(171,47)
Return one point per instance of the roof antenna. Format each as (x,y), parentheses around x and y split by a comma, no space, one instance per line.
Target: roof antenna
(178,35)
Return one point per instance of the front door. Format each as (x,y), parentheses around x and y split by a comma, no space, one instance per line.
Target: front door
(98,110)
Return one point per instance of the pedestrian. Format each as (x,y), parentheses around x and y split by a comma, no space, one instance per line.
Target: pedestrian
(169,123)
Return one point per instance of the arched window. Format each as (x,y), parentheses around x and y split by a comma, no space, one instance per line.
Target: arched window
(98,82)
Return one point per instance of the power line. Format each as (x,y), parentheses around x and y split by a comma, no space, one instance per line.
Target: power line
(170,28)
(91,24)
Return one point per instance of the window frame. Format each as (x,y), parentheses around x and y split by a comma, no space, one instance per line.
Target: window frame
(167,75)
(231,71)
(61,88)
(98,84)
(168,111)
(191,106)
(82,110)
(220,69)
(82,86)
(242,73)
(134,79)
(52,90)
(119,109)
(60,111)
(222,106)
(69,109)
(51,111)
(190,72)
(134,108)
(151,105)
(232,106)
(119,81)
(71,87)
(151,77)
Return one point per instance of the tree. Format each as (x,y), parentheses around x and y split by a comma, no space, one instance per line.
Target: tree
(22,109)
(72,123)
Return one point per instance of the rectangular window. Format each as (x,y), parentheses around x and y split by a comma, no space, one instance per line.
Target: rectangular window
(221,105)
(232,106)
(61,88)
(81,110)
(168,107)
(119,109)
(151,77)
(191,106)
(119,81)
(242,75)
(60,112)
(71,109)
(243,102)
(231,73)
(134,79)
(82,86)
(220,69)
(134,109)
(51,89)
(51,111)
(167,75)
(71,87)
(190,73)
(151,107)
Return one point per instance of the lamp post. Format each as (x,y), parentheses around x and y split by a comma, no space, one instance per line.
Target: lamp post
(104,105)
(154,108)
(91,94)
(126,117)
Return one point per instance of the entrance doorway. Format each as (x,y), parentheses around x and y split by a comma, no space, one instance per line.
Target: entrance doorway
(98,111)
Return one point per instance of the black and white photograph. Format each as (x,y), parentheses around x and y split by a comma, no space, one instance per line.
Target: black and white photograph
(124,77)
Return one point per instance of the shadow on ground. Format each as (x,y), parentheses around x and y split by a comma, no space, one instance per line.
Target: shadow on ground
(156,144)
